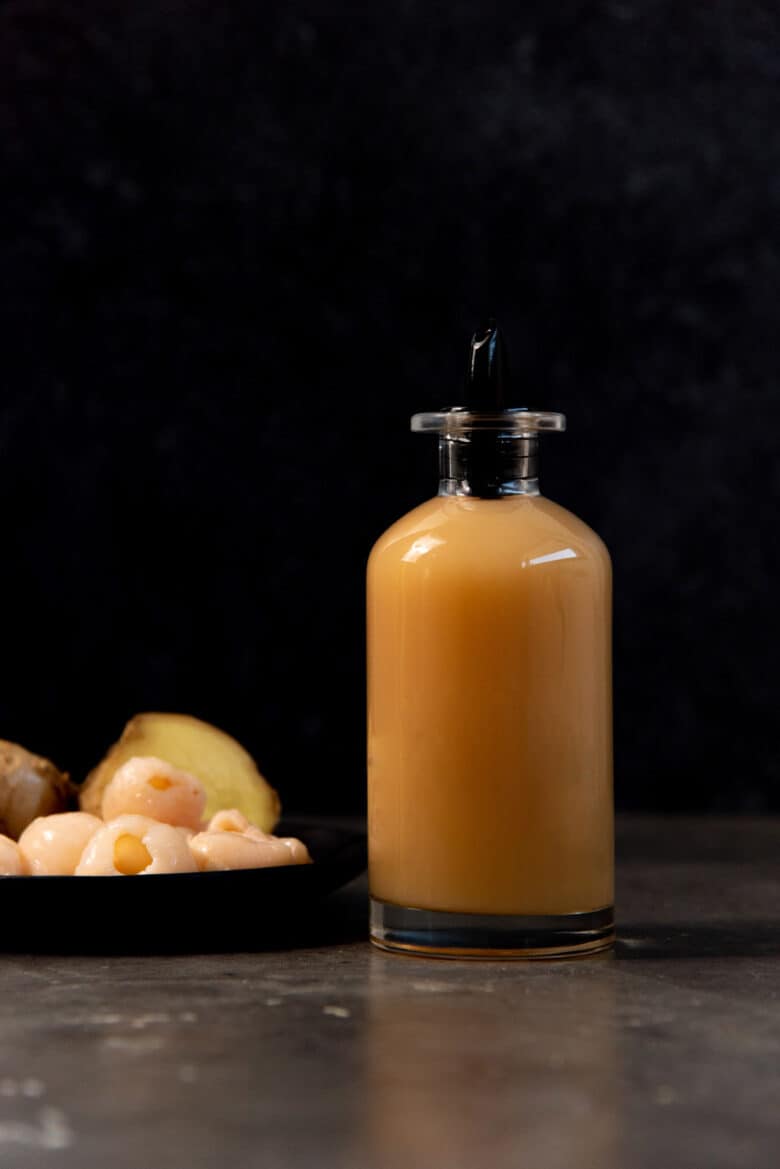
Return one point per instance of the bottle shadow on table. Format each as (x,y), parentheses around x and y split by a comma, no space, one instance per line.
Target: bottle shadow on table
(726,939)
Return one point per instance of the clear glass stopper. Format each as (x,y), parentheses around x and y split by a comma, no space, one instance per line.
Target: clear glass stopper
(520,423)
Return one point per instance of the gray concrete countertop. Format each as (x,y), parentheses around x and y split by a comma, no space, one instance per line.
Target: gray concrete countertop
(331,1054)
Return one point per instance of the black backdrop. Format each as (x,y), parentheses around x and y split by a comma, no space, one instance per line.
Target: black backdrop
(241,243)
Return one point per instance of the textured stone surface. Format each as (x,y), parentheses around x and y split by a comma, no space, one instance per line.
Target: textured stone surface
(334,1055)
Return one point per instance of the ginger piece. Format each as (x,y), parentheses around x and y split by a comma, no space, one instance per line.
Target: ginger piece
(30,786)
(226,770)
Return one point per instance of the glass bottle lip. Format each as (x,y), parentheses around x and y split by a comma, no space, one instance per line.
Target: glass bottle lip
(518,423)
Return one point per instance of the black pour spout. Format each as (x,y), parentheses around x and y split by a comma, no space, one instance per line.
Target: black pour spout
(487,461)
(487,379)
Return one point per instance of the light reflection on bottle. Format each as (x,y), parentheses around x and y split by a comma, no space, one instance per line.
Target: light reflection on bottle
(562,554)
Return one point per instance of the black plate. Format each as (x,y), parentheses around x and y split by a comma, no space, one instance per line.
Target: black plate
(241,910)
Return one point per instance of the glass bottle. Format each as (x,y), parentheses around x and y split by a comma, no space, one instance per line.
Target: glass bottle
(489,700)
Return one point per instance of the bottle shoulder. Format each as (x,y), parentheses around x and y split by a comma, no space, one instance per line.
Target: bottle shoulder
(420,519)
(565,523)
(533,527)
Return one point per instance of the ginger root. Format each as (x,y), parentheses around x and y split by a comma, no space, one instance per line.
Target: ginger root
(30,786)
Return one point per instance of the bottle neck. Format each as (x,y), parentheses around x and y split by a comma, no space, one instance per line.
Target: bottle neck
(488,464)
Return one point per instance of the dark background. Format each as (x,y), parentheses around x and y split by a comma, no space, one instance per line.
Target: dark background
(240,243)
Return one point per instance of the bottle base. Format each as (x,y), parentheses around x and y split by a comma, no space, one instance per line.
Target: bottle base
(439,934)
